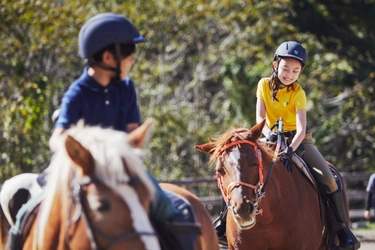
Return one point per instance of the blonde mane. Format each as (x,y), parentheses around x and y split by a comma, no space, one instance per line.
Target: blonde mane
(111,152)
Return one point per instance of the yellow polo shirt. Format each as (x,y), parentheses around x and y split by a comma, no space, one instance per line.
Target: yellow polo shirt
(287,106)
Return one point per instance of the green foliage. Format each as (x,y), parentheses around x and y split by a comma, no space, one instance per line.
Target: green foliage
(196,76)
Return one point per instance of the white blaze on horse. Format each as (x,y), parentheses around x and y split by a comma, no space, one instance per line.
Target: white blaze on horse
(269,207)
(98,194)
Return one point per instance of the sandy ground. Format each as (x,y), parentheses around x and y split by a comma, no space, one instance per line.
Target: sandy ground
(365,237)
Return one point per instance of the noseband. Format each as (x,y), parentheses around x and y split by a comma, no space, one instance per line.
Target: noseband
(258,188)
(78,195)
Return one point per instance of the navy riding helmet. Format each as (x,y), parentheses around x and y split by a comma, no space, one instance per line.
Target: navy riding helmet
(105,29)
(291,49)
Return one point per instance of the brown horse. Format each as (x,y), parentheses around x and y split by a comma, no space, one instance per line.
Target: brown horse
(209,239)
(98,194)
(286,215)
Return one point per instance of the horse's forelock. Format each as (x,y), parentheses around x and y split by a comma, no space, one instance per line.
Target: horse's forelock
(233,134)
(110,149)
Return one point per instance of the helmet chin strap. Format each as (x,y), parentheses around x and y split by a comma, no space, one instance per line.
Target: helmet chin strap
(117,70)
(118,62)
(100,65)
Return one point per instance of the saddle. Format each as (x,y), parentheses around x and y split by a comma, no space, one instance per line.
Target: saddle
(179,233)
(24,220)
(297,157)
(333,225)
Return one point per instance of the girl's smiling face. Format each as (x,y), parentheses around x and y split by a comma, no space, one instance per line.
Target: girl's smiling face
(288,71)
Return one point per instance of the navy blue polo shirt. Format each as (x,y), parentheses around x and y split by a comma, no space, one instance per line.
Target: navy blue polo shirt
(113,106)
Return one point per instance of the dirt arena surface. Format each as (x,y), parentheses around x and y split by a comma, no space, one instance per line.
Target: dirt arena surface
(366,237)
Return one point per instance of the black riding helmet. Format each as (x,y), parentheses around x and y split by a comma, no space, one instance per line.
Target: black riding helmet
(105,29)
(291,49)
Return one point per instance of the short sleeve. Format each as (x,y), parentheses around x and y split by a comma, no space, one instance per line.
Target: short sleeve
(300,100)
(70,109)
(133,114)
(371,184)
(262,86)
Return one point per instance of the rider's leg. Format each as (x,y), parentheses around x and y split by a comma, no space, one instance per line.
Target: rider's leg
(325,178)
(162,209)
(337,200)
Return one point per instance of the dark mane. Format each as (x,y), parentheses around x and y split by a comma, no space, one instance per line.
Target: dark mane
(235,134)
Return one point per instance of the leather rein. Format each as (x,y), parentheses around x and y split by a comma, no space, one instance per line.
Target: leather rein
(78,195)
(259,188)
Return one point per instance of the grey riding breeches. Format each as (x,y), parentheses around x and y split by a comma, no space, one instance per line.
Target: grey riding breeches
(318,165)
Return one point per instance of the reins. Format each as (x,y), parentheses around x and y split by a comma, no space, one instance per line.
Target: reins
(279,123)
(77,197)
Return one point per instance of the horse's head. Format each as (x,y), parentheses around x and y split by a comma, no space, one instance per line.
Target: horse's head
(104,188)
(239,171)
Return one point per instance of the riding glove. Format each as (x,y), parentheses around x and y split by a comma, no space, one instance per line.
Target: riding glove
(272,136)
(286,158)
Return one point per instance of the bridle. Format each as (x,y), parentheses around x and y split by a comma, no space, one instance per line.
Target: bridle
(77,196)
(259,188)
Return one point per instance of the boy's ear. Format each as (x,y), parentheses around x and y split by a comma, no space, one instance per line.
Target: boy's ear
(107,56)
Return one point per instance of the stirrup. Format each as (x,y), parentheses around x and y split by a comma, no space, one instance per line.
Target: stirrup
(355,244)
(220,228)
(223,240)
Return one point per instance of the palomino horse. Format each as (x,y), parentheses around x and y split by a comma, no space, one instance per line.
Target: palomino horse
(97,196)
(287,215)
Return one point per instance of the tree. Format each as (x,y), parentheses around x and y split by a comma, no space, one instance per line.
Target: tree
(196,76)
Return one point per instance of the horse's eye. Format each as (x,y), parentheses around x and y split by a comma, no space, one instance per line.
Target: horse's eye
(221,171)
(104,205)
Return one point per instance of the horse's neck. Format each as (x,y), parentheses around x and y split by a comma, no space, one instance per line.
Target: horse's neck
(58,220)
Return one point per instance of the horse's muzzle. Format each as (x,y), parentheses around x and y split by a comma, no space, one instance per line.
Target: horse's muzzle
(243,212)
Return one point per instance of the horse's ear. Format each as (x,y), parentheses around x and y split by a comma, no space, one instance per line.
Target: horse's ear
(256,131)
(207,148)
(139,136)
(79,155)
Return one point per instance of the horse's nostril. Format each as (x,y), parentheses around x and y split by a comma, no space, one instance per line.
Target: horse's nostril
(251,208)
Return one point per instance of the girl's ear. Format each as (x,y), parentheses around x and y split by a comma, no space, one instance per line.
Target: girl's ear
(274,65)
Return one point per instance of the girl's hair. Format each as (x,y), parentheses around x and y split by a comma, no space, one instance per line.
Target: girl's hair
(274,83)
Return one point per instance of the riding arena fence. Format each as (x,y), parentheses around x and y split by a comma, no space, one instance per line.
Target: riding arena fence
(206,189)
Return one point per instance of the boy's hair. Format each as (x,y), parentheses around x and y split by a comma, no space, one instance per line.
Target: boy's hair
(125,51)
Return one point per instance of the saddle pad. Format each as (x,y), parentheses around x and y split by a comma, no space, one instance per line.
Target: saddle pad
(187,223)
(25,218)
(182,205)
(305,170)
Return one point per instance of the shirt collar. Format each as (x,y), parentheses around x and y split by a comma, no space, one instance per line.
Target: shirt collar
(91,83)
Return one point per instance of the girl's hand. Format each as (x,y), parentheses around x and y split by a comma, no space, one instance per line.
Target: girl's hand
(286,158)
(272,136)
